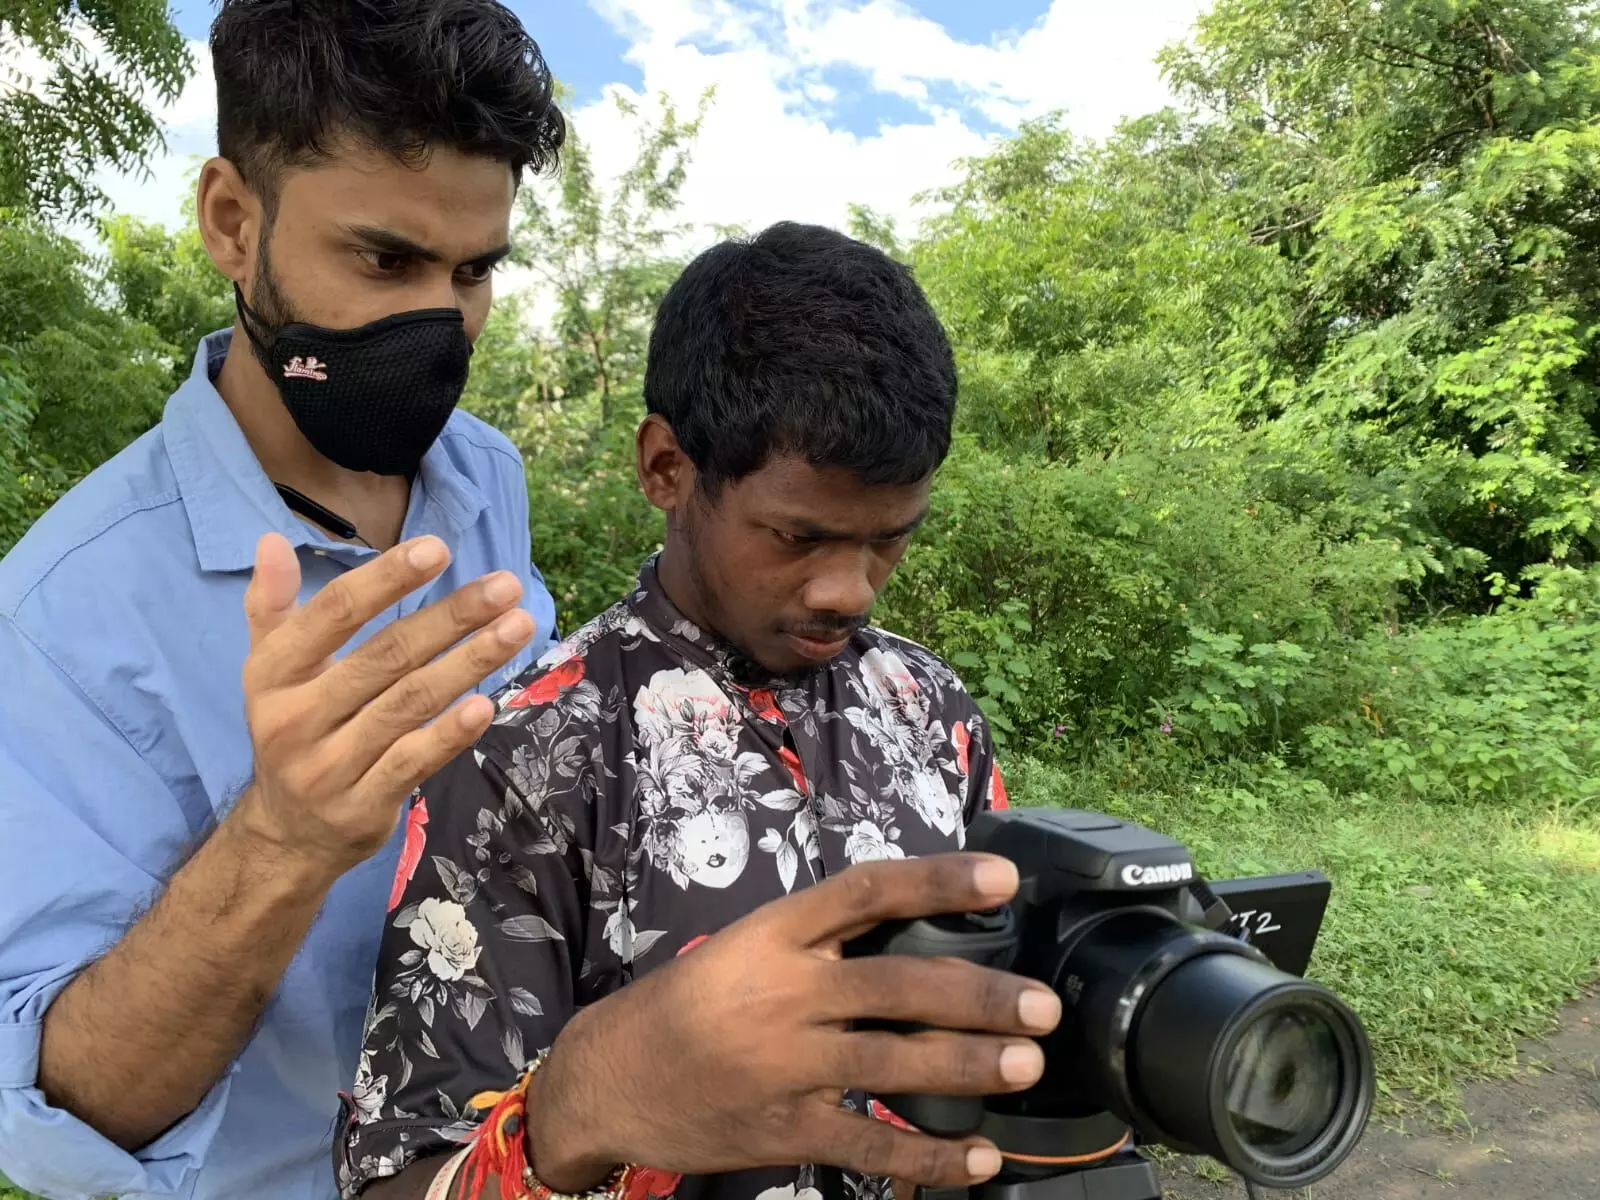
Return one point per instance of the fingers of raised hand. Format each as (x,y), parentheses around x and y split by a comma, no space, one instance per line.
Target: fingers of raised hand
(404,647)
(273,588)
(414,757)
(872,1147)
(422,695)
(298,646)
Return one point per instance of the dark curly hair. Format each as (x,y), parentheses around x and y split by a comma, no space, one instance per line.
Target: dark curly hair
(295,77)
(802,341)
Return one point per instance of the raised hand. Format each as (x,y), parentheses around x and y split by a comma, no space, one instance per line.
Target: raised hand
(340,744)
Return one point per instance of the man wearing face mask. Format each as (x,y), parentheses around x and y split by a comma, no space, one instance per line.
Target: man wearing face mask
(231,653)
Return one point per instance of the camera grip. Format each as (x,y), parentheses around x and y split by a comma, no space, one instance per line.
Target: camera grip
(988,939)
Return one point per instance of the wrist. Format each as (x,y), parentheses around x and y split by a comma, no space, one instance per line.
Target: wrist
(264,850)
(564,1135)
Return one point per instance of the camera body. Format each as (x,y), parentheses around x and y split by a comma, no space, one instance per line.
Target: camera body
(1184,1022)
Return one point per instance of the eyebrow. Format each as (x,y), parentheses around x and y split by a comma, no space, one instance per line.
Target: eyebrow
(387,241)
(806,529)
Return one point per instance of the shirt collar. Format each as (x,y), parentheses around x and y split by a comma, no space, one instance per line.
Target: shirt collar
(230,502)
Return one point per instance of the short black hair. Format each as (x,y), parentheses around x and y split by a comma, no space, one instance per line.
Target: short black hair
(802,341)
(295,76)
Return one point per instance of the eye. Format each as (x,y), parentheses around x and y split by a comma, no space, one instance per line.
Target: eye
(476,273)
(794,541)
(384,262)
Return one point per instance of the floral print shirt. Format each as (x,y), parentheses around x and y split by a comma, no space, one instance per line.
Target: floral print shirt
(638,790)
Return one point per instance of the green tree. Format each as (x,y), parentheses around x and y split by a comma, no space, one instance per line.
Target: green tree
(167,281)
(607,260)
(1435,182)
(1083,283)
(78,378)
(85,103)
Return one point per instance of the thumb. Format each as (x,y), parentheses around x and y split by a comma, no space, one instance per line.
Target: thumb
(274,585)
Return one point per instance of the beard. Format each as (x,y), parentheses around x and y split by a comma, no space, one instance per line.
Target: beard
(270,310)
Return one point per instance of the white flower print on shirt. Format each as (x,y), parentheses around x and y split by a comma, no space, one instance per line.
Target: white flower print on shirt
(695,783)
(789,1192)
(443,931)
(866,843)
(368,1093)
(891,687)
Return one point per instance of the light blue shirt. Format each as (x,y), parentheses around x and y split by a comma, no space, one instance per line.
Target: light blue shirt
(122,738)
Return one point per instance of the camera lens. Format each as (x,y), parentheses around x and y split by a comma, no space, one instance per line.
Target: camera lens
(1266,1072)
(1282,1082)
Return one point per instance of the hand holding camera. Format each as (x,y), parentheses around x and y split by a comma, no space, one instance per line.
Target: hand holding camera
(1174,1031)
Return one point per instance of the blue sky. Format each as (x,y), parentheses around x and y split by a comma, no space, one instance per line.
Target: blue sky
(819,103)
(588,52)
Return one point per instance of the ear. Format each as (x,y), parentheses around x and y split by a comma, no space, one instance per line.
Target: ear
(230,217)
(665,473)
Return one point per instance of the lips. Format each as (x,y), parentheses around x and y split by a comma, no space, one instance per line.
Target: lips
(818,649)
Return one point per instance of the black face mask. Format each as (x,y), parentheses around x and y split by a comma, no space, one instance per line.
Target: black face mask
(373,398)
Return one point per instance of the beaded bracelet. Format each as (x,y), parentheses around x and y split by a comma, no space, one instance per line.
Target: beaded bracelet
(499,1148)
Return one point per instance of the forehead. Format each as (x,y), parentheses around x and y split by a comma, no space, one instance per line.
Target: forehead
(455,204)
(790,492)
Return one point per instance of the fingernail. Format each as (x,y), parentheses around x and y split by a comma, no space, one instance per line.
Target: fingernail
(995,877)
(514,627)
(983,1161)
(428,552)
(501,589)
(1021,1062)
(1039,1009)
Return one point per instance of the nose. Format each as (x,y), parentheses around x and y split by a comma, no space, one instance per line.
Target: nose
(843,586)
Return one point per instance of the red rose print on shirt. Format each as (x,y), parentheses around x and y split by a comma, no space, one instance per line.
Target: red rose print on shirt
(792,761)
(647,1183)
(998,800)
(963,741)
(411,852)
(765,703)
(876,1109)
(549,685)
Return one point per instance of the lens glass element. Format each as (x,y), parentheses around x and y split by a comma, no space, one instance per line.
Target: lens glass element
(1283,1081)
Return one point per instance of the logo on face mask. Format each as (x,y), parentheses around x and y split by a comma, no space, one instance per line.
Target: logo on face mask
(305,368)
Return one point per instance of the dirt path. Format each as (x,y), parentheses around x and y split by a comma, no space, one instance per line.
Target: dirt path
(1537,1136)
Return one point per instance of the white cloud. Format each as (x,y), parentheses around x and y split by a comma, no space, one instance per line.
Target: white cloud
(767,149)
(772,147)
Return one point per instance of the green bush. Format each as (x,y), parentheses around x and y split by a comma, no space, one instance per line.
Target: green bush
(1148,588)
(591,527)
(1499,707)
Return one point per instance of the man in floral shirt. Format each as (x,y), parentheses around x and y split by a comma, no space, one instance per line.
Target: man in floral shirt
(725,738)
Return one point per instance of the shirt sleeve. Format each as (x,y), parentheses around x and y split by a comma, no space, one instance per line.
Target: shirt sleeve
(482,960)
(72,884)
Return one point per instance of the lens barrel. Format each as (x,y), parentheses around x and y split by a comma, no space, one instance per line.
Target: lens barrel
(1200,1042)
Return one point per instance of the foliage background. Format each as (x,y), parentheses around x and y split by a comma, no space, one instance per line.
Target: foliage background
(1275,506)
